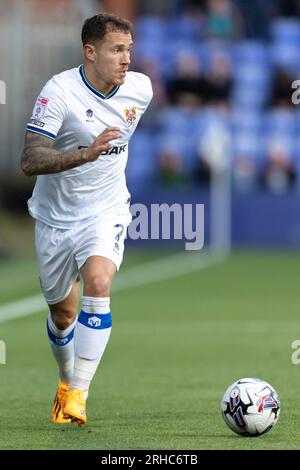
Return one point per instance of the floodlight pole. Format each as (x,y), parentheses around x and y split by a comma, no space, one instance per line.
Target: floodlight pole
(220,211)
(217,148)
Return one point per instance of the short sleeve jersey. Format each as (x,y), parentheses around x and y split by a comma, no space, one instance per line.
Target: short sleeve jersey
(72,112)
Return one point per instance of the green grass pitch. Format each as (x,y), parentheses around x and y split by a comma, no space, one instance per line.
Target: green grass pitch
(175,347)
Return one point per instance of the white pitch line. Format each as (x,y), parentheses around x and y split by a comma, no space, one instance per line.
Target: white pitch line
(162,269)
(23,307)
(168,267)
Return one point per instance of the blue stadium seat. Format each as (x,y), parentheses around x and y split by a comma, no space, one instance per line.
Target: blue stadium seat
(297,118)
(146,48)
(248,144)
(286,56)
(166,56)
(252,74)
(243,121)
(252,85)
(251,51)
(285,30)
(281,122)
(142,164)
(295,152)
(184,27)
(198,123)
(174,119)
(151,28)
(248,98)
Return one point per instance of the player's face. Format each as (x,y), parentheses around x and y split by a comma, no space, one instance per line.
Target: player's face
(112,57)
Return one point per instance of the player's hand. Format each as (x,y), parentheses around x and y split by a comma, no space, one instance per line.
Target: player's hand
(102,143)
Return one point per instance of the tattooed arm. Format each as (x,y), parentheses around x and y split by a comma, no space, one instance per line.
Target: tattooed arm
(40,158)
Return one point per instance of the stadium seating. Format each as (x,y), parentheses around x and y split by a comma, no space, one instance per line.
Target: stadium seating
(251,118)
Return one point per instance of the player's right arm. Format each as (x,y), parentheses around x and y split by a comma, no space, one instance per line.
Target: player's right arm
(40,158)
(50,111)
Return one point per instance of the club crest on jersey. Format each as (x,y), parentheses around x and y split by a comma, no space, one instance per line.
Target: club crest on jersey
(130,114)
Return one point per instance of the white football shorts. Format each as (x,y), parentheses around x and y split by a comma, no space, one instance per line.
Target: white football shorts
(62,252)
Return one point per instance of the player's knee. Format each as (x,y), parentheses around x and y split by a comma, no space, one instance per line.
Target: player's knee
(63,318)
(99,285)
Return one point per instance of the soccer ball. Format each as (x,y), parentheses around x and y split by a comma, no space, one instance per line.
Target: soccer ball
(250,407)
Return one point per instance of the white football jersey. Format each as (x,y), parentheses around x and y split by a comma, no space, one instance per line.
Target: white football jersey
(73,113)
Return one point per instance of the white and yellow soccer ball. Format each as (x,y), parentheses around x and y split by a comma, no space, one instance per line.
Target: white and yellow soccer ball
(250,407)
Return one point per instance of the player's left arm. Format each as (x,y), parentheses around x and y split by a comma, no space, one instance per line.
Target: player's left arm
(148,91)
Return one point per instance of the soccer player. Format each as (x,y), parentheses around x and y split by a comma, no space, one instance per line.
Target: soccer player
(77,144)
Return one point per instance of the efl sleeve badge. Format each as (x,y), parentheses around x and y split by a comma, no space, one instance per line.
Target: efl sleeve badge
(40,107)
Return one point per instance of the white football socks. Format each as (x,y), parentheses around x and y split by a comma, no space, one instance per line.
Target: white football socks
(62,345)
(91,336)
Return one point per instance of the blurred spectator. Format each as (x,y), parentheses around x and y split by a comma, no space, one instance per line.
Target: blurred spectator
(214,147)
(244,174)
(205,78)
(165,8)
(194,8)
(189,88)
(289,7)
(202,173)
(150,66)
(279,173)
(223,20)
(257,15)
(219,80)
(171,167)
(282,88)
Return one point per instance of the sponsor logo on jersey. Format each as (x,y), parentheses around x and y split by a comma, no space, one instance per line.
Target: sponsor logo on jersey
(113,150)
(89,114)
(40,107)
(130,115)
(35,122)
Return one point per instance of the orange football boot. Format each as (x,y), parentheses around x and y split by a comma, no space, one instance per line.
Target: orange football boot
(59,401)
(74,406)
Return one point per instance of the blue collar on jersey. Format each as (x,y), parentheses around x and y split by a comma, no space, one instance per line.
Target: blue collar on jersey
(90,87)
